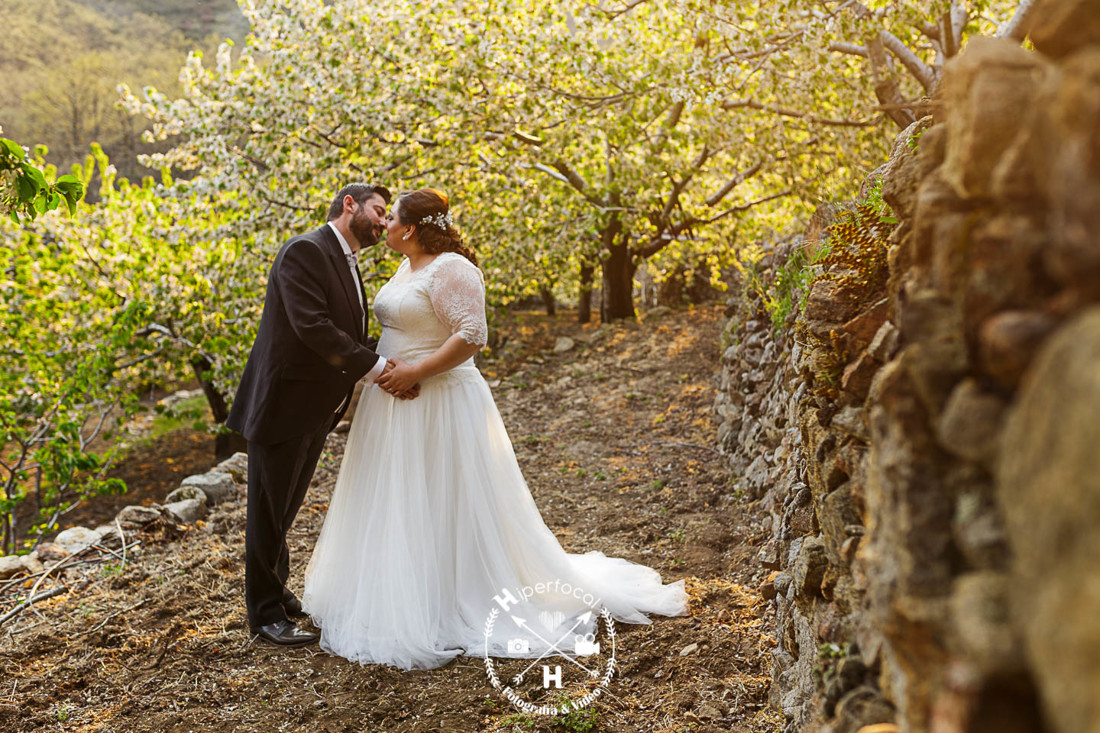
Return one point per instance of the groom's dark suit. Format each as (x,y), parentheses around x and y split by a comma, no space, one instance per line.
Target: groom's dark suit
(310,351)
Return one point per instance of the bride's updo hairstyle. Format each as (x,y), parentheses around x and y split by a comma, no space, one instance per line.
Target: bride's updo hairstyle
(428,210)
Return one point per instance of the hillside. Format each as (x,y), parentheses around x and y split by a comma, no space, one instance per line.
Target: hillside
(63,59)
(615,438)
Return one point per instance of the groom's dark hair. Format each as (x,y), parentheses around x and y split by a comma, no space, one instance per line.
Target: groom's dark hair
(359,193)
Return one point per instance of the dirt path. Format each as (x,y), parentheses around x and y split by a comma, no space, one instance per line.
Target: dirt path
(615,438)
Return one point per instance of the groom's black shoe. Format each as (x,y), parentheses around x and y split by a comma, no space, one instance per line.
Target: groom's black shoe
(285,633)
(294,609)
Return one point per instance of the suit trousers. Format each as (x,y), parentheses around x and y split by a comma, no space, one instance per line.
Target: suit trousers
(278,478)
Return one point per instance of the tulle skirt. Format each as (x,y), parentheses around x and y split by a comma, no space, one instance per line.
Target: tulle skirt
(431,526)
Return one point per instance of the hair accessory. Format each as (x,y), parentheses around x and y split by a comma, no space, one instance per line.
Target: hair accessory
(441,220)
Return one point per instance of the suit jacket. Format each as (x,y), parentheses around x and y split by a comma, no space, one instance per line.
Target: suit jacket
(311,347)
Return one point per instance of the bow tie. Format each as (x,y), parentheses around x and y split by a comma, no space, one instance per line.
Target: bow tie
(353,259)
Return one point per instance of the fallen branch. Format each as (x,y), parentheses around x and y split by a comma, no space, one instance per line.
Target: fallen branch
(31,601)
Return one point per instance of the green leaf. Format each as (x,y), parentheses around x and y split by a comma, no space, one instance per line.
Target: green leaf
(26,188)
(14,149)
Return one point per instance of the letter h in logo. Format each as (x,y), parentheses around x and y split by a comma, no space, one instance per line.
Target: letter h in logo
(548,677)
(507,601)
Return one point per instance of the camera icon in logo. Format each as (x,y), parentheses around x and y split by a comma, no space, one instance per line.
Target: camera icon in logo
(586,645)
(519,646)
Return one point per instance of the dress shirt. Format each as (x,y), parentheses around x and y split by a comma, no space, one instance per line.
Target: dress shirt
(376,370)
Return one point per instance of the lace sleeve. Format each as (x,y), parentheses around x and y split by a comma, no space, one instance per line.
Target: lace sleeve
(457,292)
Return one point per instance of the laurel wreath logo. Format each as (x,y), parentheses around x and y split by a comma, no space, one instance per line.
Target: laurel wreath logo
(565,708)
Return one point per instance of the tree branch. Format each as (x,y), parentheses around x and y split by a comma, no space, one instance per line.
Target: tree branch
(551,172)
(670,204)
(679,186)
(571,176)
(671,121)
(746,207)
(886,87)
(850,48)
(752,104)
(737,180)
(162,330)
(560,171)
(526,139)
(920,70)
(930,30)
(959,18)
(421,174)
(292,207)
(342,146)
(1018,26)
(140,359)
(950,41)
(613,14)
(85,440)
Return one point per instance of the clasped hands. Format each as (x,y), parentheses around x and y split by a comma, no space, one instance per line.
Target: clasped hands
(400,379)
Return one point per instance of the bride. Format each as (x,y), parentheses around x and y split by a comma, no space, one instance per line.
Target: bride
(431,518)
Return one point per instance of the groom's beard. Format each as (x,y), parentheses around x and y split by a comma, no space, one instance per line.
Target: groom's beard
(367,232)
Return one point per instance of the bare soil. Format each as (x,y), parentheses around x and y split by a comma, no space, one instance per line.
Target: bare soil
(616,439)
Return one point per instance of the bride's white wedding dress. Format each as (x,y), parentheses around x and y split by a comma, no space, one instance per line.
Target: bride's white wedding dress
(431,518)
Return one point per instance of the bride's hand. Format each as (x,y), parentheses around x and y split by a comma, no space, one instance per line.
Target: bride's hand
(399,380)
(411,394)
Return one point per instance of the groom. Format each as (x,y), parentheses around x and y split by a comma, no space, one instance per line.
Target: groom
(310,350)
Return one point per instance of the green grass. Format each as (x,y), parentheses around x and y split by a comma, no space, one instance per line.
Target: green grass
(193,413)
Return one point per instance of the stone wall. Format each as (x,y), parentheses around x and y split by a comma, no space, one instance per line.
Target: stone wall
(925,444)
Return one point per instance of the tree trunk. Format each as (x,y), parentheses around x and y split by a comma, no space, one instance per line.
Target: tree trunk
(227,443)
(584,305)
(548,301)
(618,285)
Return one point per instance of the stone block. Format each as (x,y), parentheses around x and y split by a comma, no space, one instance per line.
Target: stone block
(184,493)
(137,516)
(857,376)
(903,171)
(1061,27)
(10,566)
(1008,342)
(835,514)
(850,421)
(884,343)
(861,329)
(809,568)
(51,552)
(564,343)
(1048,478)
(1073,259)
(236,466)
(75,539)
(217,486)
(970,424)
(977,528)
(1004,254)
(861,707)
(830,303)
(984,90)
(982,625)
(188,511)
